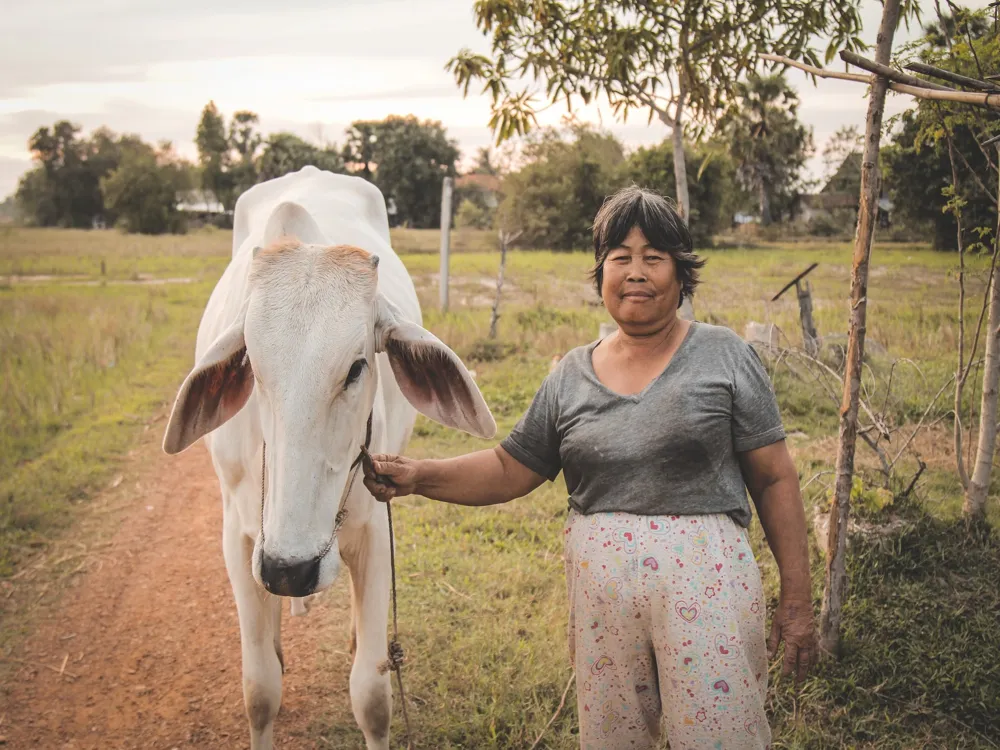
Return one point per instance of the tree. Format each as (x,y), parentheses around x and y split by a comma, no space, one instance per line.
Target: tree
(767,141)
(63,190)
(679,61)
(244,140)
(286,152)
(711,174)
(143,190)
(566,176)
(958,131)
(961,24)
(408,160)
(215,158)
(485,163)
(917,171)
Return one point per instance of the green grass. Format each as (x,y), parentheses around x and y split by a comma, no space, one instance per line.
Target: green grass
(84,368)
(482,595)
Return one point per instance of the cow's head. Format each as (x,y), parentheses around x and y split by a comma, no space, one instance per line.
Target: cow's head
(306,341)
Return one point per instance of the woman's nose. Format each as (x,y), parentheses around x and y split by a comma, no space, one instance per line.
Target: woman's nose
(636,271)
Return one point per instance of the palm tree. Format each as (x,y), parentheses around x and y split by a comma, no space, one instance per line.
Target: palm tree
(766,139)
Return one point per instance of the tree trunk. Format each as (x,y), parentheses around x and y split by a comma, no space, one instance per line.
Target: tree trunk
(495,316)
(836,562)
(974,507)
(963,371)
(764,197)
(680,163)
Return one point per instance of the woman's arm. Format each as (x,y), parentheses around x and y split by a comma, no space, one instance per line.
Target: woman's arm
(486,477)
(770,475)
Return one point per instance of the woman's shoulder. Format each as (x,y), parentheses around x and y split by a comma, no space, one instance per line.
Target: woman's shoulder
(575,361)
(720,337)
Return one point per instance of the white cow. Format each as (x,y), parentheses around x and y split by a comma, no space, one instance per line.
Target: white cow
(313,329)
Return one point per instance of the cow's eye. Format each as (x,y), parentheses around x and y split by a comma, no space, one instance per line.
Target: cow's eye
(355,372)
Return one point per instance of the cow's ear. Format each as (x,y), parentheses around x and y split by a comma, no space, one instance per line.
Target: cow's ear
(215,390)
(431,375)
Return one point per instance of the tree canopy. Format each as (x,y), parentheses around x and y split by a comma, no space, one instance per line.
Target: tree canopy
(678,61)
(767,141)
(918,161)
(408,160)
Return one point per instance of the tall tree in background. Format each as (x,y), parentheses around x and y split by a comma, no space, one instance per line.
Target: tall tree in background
(214,156)
(359,148)
(677,61)
(711,174)
(767,141)
(63,190)
(286,152)
(565,177)
(408,159)
(143,189)
(244,140)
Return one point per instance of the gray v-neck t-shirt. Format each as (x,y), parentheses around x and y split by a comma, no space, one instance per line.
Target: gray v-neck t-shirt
(670,449)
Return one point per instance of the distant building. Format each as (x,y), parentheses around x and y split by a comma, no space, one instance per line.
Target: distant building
(203,207)
(839,204)
(487,185)
(199,202)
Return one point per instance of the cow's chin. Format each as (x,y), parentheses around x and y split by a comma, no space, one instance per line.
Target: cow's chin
(329,568)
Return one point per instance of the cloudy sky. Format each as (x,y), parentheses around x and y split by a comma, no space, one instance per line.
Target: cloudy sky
(309,66)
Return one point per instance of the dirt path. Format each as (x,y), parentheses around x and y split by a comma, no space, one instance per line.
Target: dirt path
(147,638)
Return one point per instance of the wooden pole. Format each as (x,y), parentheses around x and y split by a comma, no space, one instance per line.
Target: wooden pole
(446,191)
(810,338)
(836,562)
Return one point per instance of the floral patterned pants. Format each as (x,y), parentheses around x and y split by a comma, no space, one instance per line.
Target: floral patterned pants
(666,620)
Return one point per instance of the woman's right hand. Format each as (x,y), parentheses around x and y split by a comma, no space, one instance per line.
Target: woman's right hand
(389,476)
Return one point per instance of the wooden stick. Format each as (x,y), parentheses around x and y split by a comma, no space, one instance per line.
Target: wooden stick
(947,75)
(961,97)
(558,710)
(835,588)
(792,283)
(891,73)
(47,666)
(822,73)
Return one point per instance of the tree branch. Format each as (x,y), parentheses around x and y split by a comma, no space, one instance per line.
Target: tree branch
(991,101)
(891,73)
(947,75)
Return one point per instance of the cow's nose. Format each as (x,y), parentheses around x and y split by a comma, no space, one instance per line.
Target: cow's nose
(289,578)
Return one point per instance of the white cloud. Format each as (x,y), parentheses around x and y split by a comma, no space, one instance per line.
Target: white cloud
(309,66)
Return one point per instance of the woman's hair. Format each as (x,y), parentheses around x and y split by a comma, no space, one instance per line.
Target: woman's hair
(662,226)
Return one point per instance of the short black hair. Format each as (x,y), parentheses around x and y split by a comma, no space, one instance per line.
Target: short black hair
(661,224)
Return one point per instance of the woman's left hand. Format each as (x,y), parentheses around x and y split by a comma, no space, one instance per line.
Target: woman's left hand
(794,624)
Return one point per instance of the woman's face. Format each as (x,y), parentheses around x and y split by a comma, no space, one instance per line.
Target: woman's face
(640,287)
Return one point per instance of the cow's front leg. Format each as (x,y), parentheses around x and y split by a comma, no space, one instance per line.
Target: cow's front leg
(260,622)
(366,552)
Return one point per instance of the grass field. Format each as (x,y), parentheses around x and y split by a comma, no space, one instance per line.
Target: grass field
(97,331)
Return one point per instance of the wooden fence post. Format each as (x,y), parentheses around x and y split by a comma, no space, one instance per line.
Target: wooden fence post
(446,190)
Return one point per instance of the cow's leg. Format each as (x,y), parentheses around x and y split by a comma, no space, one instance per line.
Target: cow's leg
(367,557)
(260,617)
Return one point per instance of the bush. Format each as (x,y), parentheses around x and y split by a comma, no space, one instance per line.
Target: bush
(825,225)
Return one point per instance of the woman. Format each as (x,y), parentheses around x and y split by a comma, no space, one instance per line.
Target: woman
(660,429)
